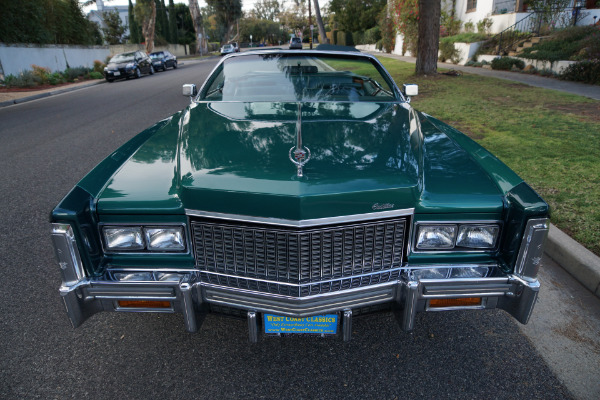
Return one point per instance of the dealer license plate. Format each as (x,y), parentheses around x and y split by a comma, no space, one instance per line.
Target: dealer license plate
(116,73)
(318,324)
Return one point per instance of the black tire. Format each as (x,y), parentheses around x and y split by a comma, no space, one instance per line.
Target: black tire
(175,65)
(138,73)
(164,68)
(151,70)
(110,80)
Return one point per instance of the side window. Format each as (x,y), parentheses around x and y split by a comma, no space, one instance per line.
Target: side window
(214,90)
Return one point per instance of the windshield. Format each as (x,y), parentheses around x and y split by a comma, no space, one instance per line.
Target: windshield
(290,78)
(155,56)
(120,58)
(295,40)
(227,46)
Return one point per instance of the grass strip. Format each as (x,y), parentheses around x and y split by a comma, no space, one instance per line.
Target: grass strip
(551,139)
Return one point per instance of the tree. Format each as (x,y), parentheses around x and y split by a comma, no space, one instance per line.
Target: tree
(266,9)
(114,29)
(135,33)
(198,26)
(429,37)
(145,15)
(320,22)
(356,15)
(46,22)
(227,12)
(172,23)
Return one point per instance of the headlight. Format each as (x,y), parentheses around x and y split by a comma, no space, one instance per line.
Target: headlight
(477,237)
(431,273)
(144,238)
(436,236)
(130,65)
(105,69)
(457,236)
(165,239)
(124,238)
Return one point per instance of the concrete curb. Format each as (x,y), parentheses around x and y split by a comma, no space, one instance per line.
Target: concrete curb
(48,94)
(574,258)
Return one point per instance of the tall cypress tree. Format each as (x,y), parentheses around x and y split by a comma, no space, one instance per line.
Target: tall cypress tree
(161,13)
(172,23)
(134,29)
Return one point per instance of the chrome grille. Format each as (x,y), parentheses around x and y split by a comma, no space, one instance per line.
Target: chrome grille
(295,261)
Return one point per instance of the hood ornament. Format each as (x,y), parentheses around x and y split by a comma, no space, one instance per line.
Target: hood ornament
(299,154)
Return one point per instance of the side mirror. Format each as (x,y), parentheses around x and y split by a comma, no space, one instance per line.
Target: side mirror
(189,89)
(410,89)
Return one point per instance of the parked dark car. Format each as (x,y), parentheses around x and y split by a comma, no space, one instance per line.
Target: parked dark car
(295,43)
(128,65)
(299,190)
(161,60)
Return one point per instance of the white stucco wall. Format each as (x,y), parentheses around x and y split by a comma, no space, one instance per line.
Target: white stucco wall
(16,58)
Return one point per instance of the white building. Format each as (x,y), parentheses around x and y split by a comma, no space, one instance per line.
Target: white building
(96,15)
(505,13)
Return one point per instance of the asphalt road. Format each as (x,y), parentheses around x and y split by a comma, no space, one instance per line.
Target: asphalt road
(49,144)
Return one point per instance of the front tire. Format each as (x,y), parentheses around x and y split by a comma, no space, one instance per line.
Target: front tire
(110,80)
(151,70)
(175,65)
(138,73)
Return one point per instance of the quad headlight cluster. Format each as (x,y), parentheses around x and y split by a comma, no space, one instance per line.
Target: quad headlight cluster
(144,238)
(456,236)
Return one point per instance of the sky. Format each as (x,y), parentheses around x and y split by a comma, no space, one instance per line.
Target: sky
(247,5)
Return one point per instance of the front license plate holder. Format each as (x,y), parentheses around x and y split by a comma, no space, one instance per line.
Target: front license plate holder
(116,73)
(317,324)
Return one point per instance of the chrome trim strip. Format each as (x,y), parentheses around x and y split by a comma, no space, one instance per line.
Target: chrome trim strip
(305,222)
(384,271)
(275,296)
(532,248)
(67,253)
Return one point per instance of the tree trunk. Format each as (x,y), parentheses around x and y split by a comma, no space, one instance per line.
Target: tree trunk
(197,21)
(429,37)
(148,29)
(322,32)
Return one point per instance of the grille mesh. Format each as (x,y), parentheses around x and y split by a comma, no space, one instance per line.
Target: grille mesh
(301,257)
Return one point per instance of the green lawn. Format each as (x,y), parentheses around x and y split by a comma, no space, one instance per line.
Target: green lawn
(551,139)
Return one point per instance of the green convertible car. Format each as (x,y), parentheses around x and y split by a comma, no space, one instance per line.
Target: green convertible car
(297,190)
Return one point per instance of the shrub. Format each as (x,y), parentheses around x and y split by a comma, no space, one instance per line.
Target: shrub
(358,37)
(56,78)
(74,73)
(25,79)
(341,38)
(576,43)
(584,71)
(449,26)
(41,74)
(484,26)
(449,52)
(469,27)
(96,75)
(99,66)
(465,38)
(506,63)
(372,35)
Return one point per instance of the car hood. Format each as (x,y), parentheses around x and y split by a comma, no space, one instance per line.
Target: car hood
(119,65)
(234,158)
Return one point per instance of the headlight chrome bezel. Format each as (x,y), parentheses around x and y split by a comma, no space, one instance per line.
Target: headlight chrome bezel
(146,248)
(459,226)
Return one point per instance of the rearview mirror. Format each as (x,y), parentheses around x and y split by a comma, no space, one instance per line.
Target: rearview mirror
(189,89)
(410,89)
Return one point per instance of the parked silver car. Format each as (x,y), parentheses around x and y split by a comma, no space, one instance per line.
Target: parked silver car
(227,49)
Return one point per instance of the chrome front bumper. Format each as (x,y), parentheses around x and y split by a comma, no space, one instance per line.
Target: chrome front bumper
(408,296)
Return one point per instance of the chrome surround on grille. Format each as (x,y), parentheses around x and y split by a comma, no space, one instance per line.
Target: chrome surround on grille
(299,260)
(305,222)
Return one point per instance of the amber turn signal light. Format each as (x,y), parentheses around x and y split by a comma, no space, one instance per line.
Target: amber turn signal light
(144,304)
(464,302)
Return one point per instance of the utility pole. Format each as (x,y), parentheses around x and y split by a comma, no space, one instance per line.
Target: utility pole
(310,24)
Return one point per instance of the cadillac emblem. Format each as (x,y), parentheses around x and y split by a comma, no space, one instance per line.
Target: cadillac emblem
(299,154)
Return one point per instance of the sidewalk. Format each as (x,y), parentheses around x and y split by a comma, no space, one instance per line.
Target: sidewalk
(581,89)
(10,98)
